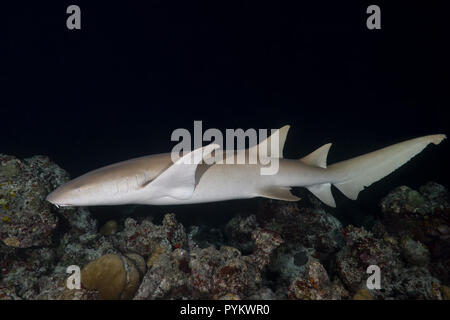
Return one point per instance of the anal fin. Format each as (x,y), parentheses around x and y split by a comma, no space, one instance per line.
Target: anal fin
(278,193)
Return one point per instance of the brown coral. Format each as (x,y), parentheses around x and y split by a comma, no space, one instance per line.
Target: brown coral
(115,277)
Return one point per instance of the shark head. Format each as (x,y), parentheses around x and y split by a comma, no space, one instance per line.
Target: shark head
(94,188)
(64,196)
(82,191)
(136,181)
(120,183)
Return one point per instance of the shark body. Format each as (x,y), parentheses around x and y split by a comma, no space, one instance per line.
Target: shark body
(157,180)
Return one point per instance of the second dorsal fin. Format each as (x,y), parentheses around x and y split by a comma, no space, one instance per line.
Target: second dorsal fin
(318,158)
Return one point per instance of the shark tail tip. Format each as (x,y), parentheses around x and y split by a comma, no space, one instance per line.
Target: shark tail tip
(437,138)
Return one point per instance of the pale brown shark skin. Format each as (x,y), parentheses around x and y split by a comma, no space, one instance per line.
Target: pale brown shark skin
(134,181)
(135,172)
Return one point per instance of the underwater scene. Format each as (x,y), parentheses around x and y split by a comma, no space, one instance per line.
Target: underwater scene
(224,151)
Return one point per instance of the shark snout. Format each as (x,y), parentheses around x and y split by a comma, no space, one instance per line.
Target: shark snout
(55,198)
(62,196)
(51,198)
(82,192)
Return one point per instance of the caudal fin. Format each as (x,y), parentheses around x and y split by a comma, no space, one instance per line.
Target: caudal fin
(351,176)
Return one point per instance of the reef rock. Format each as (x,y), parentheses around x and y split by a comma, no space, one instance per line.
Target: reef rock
(55,288)
(207,273)
(239,232)
(414,252)
(25,271)
(168,274)
(397,279)
(26,219)
(425,217)
(311,228)
(314,284)
(145,237)
(288,263)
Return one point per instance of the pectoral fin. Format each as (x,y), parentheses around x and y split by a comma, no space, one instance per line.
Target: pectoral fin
(278,193)
(178,181)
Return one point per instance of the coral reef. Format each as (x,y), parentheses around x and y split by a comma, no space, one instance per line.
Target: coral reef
(426,220)
(398,279)
(314,284)
(208,272)
(282,250)
(310,227)
(239,232)
(26,220)
(143,238)
(55,288)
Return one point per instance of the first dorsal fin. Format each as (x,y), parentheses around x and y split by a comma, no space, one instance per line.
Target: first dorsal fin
(265,147)
(318,158)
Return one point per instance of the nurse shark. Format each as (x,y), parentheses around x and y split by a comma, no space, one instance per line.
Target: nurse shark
(158,180)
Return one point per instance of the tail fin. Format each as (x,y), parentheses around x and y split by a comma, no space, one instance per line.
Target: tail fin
(353,175)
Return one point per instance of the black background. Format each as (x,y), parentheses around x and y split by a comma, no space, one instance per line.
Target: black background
(136,71)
